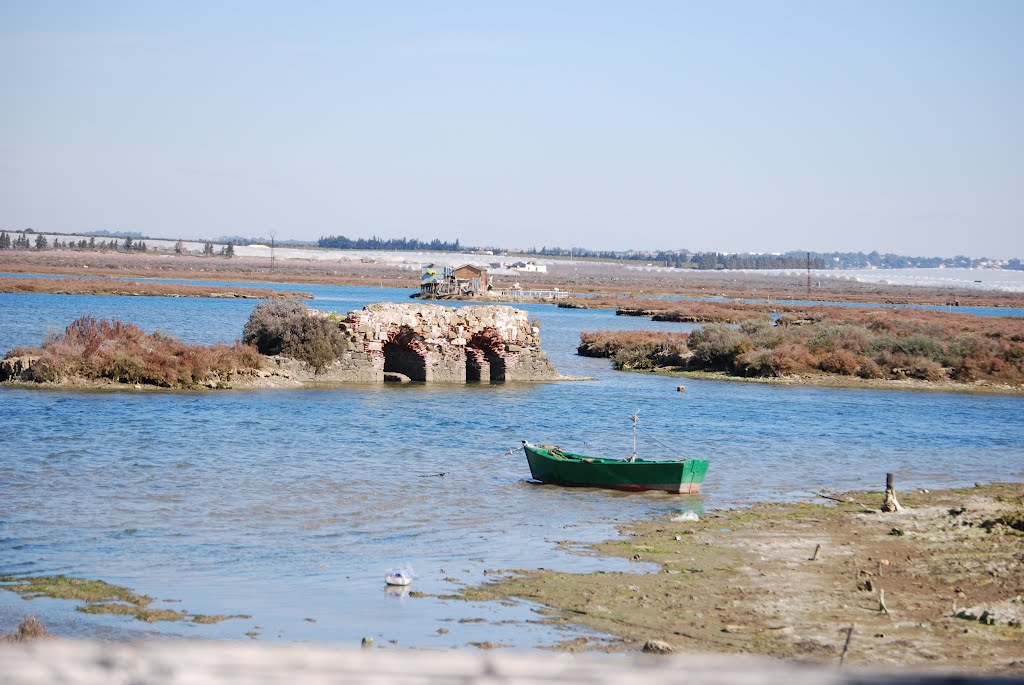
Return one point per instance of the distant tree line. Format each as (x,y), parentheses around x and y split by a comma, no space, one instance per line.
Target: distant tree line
(134,235)
(340,242)
(684,259)
(22,242)
(680,259)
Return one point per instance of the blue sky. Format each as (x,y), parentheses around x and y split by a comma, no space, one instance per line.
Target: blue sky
(732,126)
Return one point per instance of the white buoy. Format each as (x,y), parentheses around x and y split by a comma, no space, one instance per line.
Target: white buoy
(399,576)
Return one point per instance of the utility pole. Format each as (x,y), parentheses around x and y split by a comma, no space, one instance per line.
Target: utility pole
(574,272)
(808,275)
(274,233)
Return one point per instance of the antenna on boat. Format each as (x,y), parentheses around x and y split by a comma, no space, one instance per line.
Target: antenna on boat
(635,416)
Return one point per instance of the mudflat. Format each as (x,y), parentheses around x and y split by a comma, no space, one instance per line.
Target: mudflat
(581,277)
(939,584)
(114,286)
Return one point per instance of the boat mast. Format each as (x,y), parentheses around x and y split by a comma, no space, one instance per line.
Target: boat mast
(635,416)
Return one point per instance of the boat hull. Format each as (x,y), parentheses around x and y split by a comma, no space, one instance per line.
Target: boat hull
(558,467)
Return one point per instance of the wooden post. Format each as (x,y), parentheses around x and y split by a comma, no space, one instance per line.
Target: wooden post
(891,503)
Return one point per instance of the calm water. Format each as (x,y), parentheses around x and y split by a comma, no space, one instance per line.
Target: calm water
(290,505)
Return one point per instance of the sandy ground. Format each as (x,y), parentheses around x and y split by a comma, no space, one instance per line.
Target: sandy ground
(950,575)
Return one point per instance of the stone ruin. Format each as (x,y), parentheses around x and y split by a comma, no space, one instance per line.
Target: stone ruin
(417,342)
(433,343)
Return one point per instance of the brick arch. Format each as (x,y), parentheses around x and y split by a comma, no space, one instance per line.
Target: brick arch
(485,356)
(405,352)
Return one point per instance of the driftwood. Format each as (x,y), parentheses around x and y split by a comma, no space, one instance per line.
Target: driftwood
(846,647)
(891,504)
(844,501)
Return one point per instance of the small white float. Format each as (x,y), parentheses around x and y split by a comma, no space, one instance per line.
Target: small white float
(402,575)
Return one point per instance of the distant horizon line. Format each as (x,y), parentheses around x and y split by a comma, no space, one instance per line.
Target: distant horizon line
(469,249)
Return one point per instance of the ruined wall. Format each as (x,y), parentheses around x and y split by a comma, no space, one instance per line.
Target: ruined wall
(426,342)
(433,343)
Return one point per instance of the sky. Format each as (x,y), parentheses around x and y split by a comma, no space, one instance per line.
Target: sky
(757,126)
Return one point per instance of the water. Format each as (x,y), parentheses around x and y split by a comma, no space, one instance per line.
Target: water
(290,505)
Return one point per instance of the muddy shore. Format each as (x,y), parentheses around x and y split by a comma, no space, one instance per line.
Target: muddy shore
(824,380)
(939,585)
(112,286)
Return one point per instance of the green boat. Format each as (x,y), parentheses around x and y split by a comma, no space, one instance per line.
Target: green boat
(550,464)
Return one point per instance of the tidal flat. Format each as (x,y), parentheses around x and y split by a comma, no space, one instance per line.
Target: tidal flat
(939,584)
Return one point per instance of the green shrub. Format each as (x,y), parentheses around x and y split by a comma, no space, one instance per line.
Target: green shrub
(840,337)
(633,359)
(292,329)
(671,354)
(920,345)
(755,327)
(718,346)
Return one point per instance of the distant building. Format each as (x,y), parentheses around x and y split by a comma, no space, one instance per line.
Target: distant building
(446,281)
(532,267)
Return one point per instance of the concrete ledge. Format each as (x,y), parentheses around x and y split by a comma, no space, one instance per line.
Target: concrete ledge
(198,663)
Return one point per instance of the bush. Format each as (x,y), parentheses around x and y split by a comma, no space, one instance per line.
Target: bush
(842,362)
(99,349)
(925,369)
(633,359)
(920,345)
(840,337)
(781,361)
(767,363)
(756,327)
(869,369)
(718,346)
(608,343)
(871,343)
(292,329)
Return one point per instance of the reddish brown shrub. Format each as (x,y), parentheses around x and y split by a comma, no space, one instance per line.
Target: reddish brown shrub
(99,349)
(842,362)
(869,369)
(868,342)
(925,369)
(607,343)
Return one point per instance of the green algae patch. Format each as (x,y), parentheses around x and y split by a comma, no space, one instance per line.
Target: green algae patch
(99,597)
(139,613)
(216,618)
(64,587)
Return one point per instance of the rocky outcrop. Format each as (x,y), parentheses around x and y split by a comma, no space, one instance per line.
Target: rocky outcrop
(17,368)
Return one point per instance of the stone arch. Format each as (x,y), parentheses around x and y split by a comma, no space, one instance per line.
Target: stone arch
(405,353)
(485,356)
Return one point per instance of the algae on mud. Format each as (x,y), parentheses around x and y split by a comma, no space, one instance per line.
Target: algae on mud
(750,581)
(100,597)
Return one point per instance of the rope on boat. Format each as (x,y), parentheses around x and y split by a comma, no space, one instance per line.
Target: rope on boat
(648,436)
